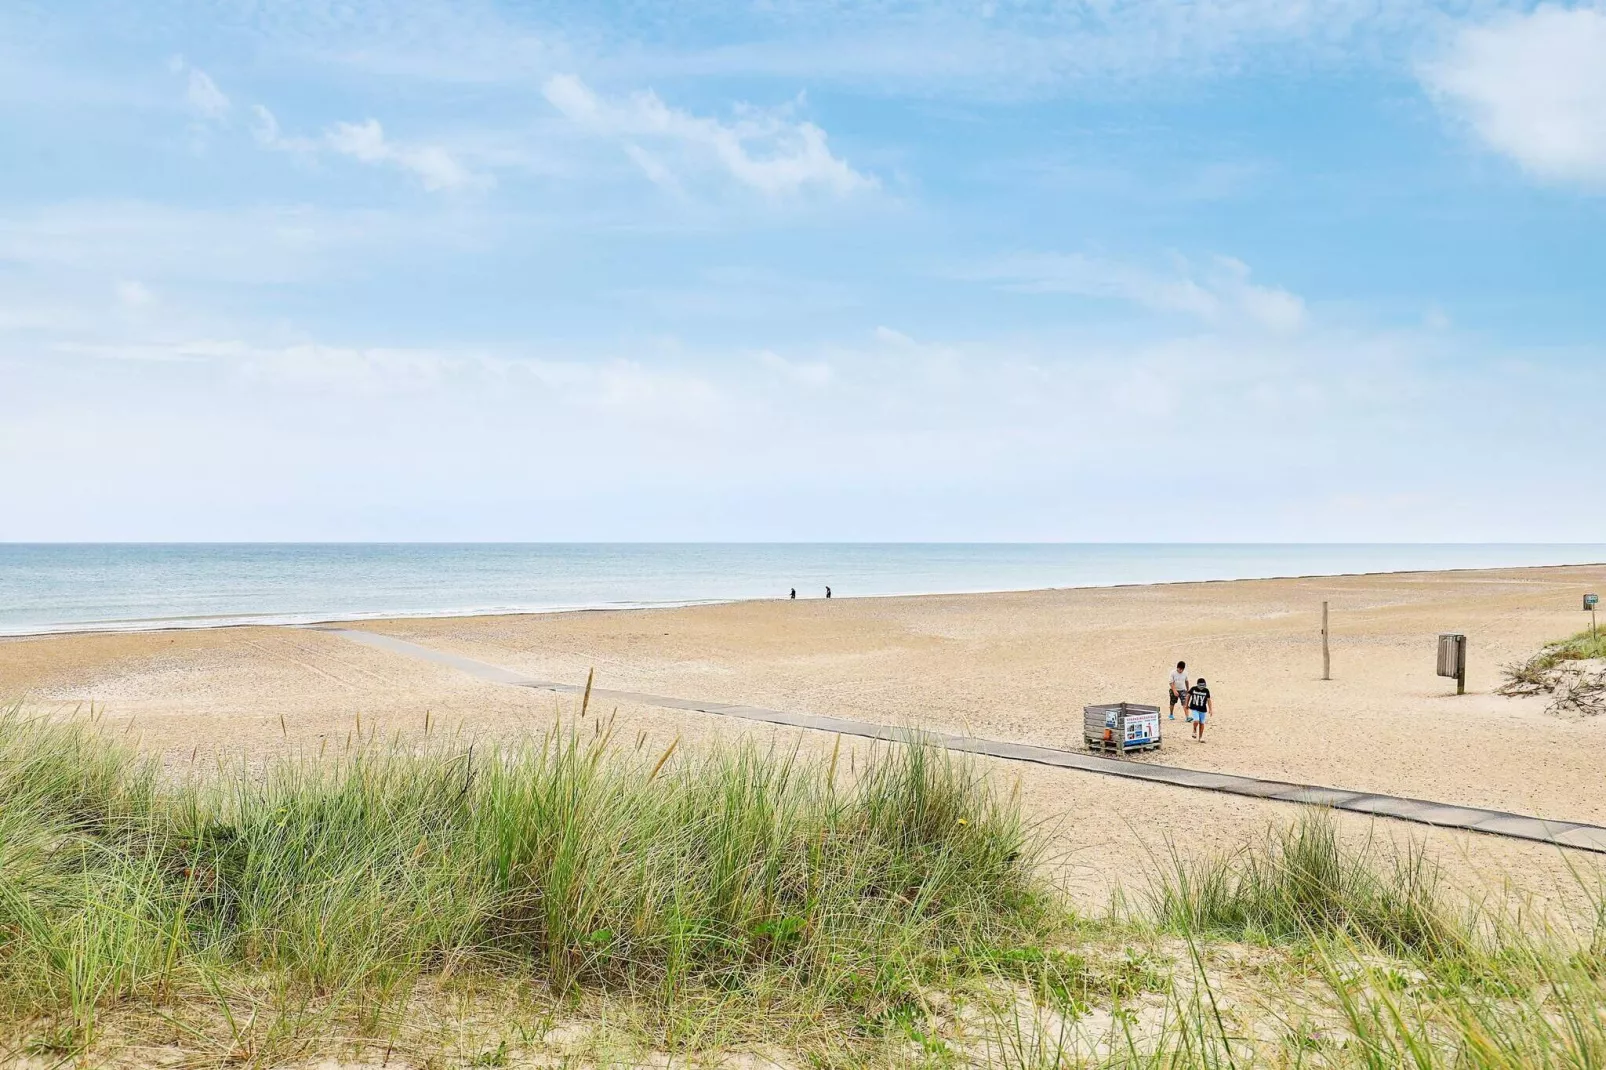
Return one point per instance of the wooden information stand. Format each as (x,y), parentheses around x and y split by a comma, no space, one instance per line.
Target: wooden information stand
(1119,727)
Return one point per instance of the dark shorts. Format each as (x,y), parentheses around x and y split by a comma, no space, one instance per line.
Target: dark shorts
(1175,698)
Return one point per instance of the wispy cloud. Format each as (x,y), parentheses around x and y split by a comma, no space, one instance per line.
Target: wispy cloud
(764,149)
(132,293)
(170,248)
(202,95)
(432,165)
(811,373)
(1220,293)
(1532,87)
(951,47)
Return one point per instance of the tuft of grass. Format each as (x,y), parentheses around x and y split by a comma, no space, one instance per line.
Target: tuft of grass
(1528,676)
(741,882)
(1302,882)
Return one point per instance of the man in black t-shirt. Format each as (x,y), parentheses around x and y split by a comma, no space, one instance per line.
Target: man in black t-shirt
(1199,707)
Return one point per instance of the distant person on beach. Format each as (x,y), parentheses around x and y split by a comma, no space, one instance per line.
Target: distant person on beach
(1199,707)
(794,592)
(1179,689)
(828,592)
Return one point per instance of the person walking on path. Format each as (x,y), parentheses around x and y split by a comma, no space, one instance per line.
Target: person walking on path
(828,592)
(794,593)
(1179,689)
(1200,707)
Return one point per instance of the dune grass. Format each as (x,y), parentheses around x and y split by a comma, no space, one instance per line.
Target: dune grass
(1531,673)
(1303,882)
(1392,976)
(776,890)
(732,898)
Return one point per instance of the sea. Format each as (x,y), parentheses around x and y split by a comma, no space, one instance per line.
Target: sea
(61,587)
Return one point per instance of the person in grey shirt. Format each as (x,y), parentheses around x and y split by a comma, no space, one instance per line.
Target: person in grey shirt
(1178,689)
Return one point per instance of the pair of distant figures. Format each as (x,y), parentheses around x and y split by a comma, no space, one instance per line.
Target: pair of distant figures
(1194,699)
(827,592)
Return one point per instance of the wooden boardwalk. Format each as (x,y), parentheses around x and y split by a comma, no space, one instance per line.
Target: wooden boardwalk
(1572,834)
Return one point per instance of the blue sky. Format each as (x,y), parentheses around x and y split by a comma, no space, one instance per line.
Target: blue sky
(1218,270)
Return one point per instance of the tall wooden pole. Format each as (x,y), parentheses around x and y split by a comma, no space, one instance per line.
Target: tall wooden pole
(1327,657)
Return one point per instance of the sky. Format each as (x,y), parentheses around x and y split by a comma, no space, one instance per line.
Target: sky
(1217,270)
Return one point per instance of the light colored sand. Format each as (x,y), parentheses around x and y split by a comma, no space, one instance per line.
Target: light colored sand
(1007,666)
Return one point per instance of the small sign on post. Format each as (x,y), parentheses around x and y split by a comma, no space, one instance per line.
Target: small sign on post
(1453,659)
(1590,601)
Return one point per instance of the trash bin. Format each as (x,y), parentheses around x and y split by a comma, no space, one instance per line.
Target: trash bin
(1119,727)
(1452,654)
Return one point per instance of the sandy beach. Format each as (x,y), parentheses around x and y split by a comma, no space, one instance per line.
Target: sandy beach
(1016,666)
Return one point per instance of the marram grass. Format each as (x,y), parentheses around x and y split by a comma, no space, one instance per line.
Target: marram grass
(737,897)
(742,875)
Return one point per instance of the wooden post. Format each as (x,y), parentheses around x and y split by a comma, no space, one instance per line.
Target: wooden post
(1327,657)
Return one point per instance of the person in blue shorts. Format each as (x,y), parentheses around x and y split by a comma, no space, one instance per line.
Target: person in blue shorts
(1199,707)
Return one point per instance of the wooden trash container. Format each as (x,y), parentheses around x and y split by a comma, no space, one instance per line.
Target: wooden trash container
(1119,727)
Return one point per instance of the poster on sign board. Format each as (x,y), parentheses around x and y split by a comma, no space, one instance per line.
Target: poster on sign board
(1142,729)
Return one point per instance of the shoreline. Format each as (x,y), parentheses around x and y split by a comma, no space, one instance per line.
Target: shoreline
(136,626)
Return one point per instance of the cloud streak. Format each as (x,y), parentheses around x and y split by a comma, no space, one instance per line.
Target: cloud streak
(435,168)
(201,93)
(432,165)
(1047,435)
(1220,294)
(764,150)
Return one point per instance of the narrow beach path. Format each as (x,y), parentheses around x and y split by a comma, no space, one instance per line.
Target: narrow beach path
(1473,819)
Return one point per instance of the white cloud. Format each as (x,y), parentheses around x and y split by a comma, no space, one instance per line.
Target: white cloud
(133,294)
(432,165)
(265,128)
(205,97)
(435,167)
(651,166)
(1533,87)
(171,249)
(1270,306)
(200,92)
(1220,294)
(811,373)
(764,149)
(1030,434)
(957,48)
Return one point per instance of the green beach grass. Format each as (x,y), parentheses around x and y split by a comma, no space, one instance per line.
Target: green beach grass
(443,904)
(738,887)
(1580,647)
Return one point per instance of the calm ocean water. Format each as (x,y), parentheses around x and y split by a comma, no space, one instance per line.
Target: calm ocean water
(67,587)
